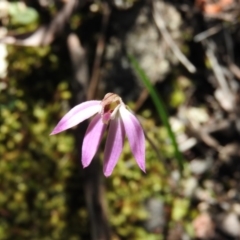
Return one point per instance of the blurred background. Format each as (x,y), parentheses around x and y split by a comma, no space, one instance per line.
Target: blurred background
(55,54)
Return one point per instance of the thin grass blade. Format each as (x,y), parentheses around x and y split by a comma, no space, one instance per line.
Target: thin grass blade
(160,108)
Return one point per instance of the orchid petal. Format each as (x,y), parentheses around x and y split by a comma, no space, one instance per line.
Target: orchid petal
(114,145)
(92,139)
(135,136)
(76,115)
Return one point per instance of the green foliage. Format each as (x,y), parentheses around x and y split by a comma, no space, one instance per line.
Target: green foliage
(178,96)
(180,209)
(41,195)
(21,14)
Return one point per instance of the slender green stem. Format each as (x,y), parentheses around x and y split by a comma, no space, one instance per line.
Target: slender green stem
(160,108)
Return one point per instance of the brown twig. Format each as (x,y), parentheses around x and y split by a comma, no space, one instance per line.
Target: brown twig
(167,37)
(99,52)
(206,34)
(223,94)
(141,99)
(234,69)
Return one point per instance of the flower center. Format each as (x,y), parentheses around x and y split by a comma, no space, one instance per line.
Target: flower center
(110,105)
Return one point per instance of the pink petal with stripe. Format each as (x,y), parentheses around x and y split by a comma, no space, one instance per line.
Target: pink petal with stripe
(76,115)
(135,136)
(92,139)
(114,145)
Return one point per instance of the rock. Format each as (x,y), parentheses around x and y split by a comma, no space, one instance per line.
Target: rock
(231,224)
(156,220)
(198,166)
(203,226)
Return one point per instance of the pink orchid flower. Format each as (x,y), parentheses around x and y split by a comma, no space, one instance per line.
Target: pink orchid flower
(113,112)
